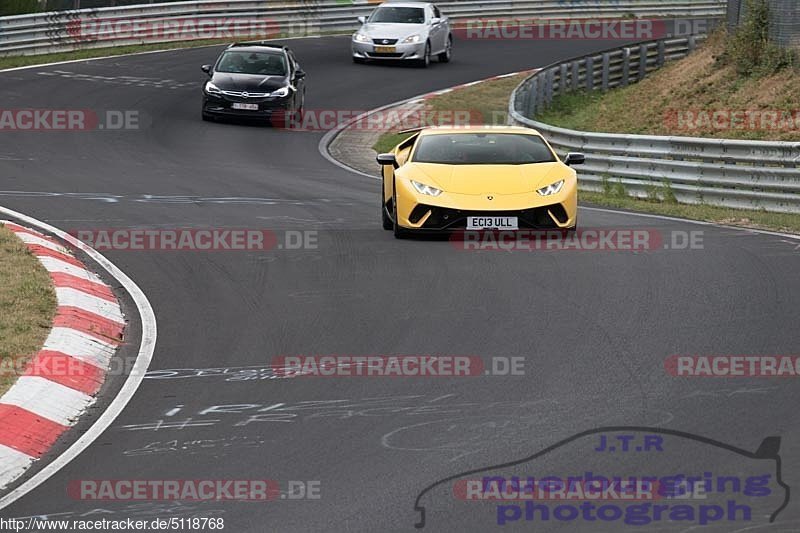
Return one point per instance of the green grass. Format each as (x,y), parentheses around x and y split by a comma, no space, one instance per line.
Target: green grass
(669,100)
(783,222)
(387,141)
(487,103)
(27,306)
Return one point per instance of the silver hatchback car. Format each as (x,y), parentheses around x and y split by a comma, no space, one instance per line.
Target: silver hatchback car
(412,31)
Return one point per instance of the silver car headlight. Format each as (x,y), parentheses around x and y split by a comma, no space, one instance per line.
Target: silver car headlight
(412,39)
(283,91)
(212,89)
(551,189)
(360,37)
(425,189)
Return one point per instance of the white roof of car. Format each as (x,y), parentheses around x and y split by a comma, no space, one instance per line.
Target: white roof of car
(405,4)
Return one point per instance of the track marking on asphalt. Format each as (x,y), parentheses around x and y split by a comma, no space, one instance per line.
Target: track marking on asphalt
(134,379)
(149,52)
(174,199)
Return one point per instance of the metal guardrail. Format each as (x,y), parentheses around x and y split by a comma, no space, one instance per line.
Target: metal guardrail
(730,173)
(61,31)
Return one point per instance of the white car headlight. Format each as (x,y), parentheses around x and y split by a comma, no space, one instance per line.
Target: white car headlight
(425,189)
(360,37)
(412,39)
(212,89)
(283,91)
(553,188)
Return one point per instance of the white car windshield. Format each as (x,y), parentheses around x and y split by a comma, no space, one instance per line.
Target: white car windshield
(398,15)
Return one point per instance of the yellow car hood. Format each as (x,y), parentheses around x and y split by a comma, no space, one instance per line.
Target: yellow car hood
(485,179)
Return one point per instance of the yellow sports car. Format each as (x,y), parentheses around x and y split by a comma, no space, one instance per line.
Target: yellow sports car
(477,178)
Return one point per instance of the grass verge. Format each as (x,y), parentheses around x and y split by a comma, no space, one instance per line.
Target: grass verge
(27,306)
(486,103)
(697,96)
(783,222)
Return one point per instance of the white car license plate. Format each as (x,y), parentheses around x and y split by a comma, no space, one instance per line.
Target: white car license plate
(246,107)
(492,223)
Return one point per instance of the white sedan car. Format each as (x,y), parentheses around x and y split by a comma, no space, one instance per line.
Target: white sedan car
(412,31)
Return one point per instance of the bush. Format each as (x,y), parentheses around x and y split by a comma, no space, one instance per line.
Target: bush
(750,49)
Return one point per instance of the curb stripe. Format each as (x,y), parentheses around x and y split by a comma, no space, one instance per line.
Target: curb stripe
(78,319)
(67,371)
(53,264)
(46,399)
(27,432)
(31,434)
(30,238)
(41,251)
(80,345)
(75,298)
(13,462)
(60,279)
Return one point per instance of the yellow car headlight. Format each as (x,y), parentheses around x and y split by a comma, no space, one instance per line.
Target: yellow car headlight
(425,189)
(551,189)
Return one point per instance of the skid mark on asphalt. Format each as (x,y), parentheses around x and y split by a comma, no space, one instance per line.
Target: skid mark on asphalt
(728,393)
(463,436)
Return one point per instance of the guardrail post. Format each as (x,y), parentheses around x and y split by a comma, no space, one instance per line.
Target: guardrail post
(590,74)
(548,86)
(692,42)
(531,98)
(540,94)
(562,82)
(604,76)
(662,52)
(626,66)
(576,75)
(642,62)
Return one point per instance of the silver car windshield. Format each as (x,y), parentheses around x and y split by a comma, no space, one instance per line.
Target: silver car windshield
(398,15)
(252,63)
(482,149)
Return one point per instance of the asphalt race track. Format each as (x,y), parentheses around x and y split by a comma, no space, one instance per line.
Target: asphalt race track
(594,328)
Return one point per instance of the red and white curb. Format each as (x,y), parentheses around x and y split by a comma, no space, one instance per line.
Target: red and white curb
(61,381)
